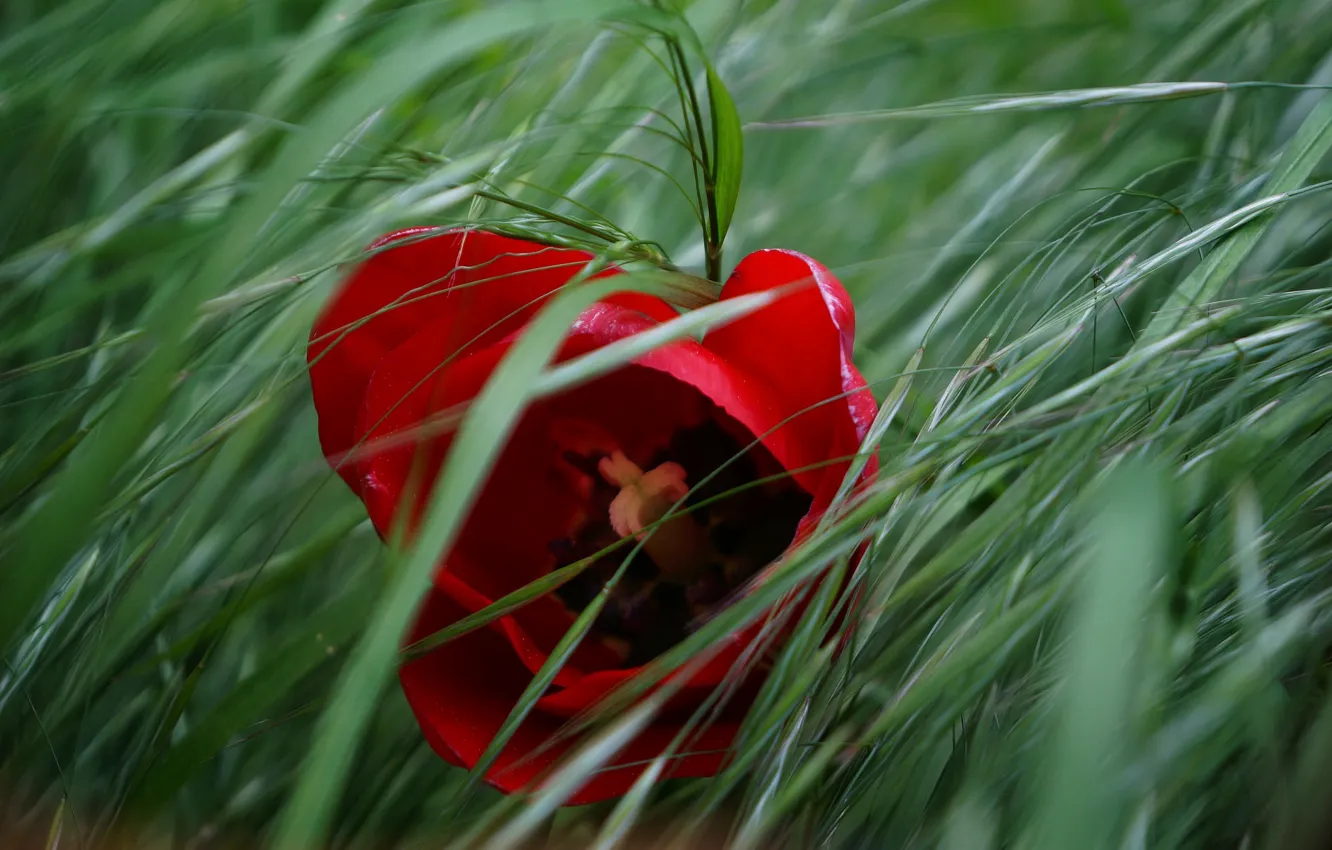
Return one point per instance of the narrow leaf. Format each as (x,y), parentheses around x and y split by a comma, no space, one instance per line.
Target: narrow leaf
(729,144)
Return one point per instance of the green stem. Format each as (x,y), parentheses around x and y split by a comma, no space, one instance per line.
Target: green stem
(712,232)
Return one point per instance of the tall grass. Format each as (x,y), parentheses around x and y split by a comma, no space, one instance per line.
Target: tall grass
(1089,250)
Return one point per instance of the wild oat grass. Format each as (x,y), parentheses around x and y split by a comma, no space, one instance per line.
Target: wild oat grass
(1089,250)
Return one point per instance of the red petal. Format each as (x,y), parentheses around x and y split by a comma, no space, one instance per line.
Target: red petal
(801,346)
(532,630)
(731,385)
(473,286)
(400,400)
(723,666)
(462,692)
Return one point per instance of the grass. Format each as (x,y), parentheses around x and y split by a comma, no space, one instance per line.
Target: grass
(1088,248)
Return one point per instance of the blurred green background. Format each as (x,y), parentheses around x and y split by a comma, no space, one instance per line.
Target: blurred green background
(1096,598)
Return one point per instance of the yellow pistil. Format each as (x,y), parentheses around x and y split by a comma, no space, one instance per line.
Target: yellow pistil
(680,547)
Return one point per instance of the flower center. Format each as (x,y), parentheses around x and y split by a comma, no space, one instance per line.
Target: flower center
(727,529)
(680,547)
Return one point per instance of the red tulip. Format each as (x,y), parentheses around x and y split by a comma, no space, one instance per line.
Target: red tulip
(419,327)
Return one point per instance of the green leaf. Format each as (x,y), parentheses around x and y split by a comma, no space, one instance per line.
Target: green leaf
(992,104)
(1104,664)
(728,144)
